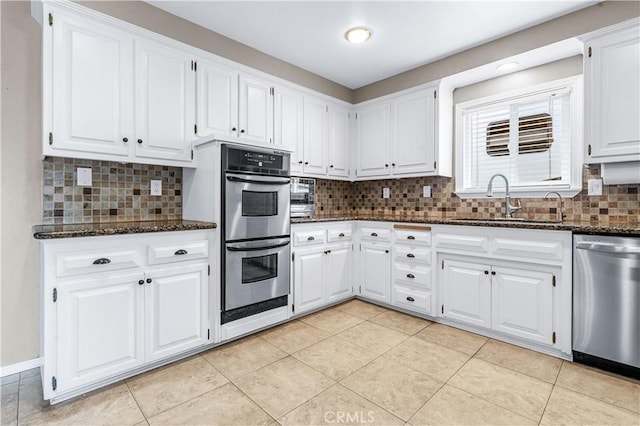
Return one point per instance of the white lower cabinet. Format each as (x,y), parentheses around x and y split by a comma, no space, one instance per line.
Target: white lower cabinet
(99,330)
(466,292)
(322,272)
(106,322)
(375,266)
(513,301)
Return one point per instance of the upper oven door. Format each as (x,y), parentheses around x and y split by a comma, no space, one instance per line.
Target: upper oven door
(256,206)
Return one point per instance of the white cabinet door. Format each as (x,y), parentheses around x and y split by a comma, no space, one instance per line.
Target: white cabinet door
(338,277)
(338,141)
(255,110)
(309,279)
(466,289)
(176,313)
(99,328)
(375,261)
(612,97)
(373,140)
(522,303)
(164,102)
(287,128)
(217,100)
(413,140)
(315,136)
(92,89)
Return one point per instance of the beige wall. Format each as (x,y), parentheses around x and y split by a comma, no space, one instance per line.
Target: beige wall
(562,28)
(154,19)
(21,175)
(541,74)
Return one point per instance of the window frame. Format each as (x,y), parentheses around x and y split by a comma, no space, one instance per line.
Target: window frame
(575,84)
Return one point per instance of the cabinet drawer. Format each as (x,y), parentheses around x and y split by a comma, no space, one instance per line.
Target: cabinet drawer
(529,249)
(178,252)
(406,253)
(375,234)
(412,299)
(417,275)
(342,234)
(413,237)
(304,238)
(96,261)
(474,243)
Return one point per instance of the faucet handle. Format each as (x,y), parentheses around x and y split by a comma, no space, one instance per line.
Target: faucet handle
(518,205)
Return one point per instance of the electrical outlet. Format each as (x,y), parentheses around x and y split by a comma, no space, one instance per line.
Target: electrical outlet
(156,187)
(595,187)
(84,176)
(386,192)
(426,191)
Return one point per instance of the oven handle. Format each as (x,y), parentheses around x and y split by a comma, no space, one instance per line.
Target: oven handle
(260,182)
(232,248)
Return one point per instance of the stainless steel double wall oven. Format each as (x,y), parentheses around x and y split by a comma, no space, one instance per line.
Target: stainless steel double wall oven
(256,226)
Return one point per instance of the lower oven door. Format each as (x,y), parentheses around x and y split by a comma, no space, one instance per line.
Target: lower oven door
(256,271)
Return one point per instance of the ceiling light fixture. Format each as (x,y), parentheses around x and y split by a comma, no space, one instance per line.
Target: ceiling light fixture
(357,35)
(508,66)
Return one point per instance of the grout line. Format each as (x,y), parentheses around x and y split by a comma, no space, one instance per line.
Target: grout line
(136,401)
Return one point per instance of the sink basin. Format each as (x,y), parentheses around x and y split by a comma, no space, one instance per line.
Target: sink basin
(520,220)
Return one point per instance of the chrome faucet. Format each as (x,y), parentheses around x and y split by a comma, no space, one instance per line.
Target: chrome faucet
(509,209)
(559,213)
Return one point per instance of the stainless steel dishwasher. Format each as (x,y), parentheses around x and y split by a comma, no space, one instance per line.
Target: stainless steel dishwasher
(606,302)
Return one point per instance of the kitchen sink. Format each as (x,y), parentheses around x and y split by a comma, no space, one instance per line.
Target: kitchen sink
(519,220)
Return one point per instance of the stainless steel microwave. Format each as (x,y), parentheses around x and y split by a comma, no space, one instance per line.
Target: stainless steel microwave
(303,197)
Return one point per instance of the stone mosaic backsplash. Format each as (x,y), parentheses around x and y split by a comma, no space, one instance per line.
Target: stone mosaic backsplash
(119,192)
(619,204)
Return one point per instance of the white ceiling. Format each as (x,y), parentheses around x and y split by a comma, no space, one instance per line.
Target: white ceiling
(310,34)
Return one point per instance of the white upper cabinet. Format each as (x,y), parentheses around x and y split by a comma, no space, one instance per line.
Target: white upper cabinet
(91,81)
(413,136)
(112,95)
(255,118)
(315,136)
(405,134)
(287,129)
(612,94)
(338,141)
(373,140)
(164,102)
(217,99)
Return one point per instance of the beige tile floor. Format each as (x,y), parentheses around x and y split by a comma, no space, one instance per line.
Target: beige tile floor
(354,363)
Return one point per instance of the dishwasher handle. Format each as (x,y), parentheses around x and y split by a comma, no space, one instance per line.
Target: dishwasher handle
(608,248)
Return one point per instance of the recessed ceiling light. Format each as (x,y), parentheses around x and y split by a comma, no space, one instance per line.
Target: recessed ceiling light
(357,35)
(508,66)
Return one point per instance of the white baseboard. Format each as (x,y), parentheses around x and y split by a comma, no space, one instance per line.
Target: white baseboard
(20,367)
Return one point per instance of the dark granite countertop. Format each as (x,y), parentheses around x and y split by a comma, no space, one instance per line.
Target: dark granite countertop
(44,232)
(575,227)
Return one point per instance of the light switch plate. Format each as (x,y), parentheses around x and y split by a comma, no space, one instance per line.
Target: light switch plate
(386,192)
(595,187)
(84,176)
(426,191)
(156,187)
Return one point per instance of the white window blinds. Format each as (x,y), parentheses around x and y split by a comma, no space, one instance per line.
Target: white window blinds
(527,137)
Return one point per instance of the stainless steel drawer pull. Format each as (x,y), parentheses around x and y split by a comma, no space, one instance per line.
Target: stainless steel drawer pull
(411,237)
(310,238)
(373,234)
(411,299)
(411,255)
(101,261)
(180,252)
(411,276)
(341,234)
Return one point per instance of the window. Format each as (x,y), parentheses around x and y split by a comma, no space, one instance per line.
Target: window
(532,136)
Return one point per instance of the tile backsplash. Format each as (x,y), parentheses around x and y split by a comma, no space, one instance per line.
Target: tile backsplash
(119,192)
(618,204)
